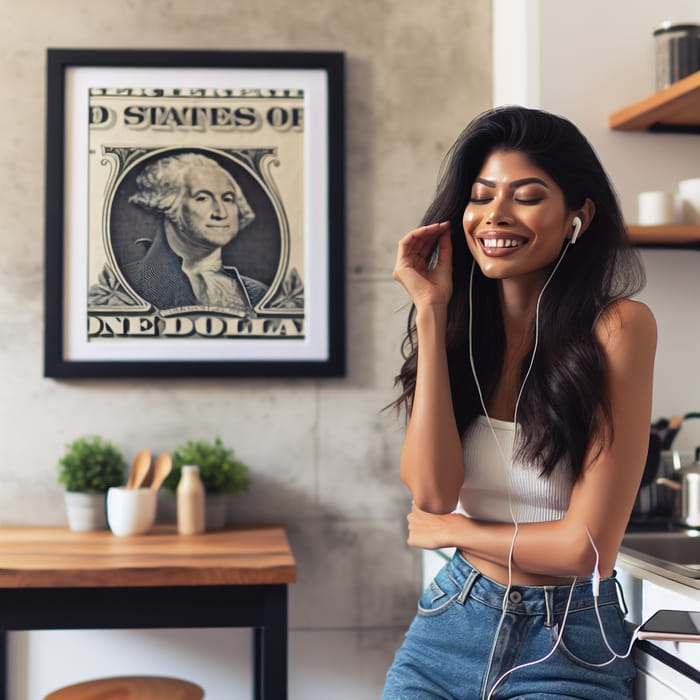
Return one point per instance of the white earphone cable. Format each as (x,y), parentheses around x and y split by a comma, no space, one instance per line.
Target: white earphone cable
(596,587)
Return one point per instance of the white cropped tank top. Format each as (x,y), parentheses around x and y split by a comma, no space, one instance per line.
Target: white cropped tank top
(488,481)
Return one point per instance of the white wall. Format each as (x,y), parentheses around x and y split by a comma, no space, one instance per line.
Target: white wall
(323,456)
(586,61)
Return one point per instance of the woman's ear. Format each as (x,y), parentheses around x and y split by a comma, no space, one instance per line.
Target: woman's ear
(581,220)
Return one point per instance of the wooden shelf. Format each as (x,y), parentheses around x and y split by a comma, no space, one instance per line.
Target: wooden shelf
(676,108)
(664,235)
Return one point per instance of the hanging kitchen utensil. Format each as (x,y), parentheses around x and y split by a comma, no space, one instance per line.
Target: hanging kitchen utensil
(674,425)
(651,467)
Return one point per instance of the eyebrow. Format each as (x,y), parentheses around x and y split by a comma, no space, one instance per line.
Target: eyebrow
(515,184)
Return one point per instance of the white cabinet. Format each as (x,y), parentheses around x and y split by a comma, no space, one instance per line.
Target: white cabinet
(658,681)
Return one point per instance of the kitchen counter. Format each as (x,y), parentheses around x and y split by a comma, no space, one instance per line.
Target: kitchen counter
(648,571)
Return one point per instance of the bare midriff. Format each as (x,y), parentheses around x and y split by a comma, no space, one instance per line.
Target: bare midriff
(499,573)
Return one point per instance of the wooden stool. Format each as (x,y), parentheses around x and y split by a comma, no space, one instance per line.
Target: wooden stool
(130,688)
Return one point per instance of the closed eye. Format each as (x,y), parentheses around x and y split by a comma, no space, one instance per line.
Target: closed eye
(520,200)
(529,200)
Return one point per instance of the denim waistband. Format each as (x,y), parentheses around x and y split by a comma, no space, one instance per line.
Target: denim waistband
(530,600)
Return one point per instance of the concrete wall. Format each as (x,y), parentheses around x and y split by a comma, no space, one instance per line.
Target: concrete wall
(324,458)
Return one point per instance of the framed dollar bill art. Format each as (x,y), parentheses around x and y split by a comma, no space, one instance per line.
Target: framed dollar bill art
(194,214)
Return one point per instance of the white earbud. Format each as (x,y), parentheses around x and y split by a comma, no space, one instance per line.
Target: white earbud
(577,229)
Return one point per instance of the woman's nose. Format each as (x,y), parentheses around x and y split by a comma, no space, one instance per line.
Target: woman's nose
(499,213)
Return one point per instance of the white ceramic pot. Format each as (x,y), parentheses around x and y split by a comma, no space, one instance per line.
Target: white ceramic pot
(85,511)
(131,511)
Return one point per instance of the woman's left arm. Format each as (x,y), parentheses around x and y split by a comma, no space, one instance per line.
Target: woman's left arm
(602,499)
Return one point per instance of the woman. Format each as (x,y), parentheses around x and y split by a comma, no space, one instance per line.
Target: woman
(527,384)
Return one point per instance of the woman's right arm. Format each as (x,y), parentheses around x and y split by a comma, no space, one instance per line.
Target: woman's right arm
(431,457)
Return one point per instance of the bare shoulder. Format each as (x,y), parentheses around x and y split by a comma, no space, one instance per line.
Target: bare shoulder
(627,325)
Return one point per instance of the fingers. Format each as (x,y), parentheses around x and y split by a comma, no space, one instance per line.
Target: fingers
(420,241)
(418,249)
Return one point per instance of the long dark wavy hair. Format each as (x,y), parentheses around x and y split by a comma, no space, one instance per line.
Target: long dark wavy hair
(564,402)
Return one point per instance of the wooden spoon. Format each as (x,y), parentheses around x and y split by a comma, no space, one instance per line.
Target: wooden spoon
(161,469)
(140,467)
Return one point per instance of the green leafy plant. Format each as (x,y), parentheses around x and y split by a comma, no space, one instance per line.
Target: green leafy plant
(91,465)
(219,469)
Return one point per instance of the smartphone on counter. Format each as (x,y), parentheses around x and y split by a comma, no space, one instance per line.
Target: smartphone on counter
(676,625)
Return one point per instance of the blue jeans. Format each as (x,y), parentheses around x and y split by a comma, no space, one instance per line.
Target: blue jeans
(453,649)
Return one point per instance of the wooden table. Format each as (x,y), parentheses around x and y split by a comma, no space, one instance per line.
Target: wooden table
(52,578)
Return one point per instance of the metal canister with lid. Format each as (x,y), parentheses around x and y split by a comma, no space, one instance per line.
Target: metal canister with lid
(677,52)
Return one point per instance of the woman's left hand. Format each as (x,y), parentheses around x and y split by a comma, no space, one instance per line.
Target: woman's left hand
(428,530)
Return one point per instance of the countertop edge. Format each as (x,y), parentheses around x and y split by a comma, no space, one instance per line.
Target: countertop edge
(656,574)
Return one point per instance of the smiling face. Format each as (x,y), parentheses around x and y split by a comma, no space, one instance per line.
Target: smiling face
(516,220)
(209,210)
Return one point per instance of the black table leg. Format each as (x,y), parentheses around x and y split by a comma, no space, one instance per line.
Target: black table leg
(257,663)
(270,641)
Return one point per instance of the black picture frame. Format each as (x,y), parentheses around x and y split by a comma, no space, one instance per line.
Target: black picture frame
(268,127)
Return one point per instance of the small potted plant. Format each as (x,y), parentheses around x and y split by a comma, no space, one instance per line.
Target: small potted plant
(87,469)
(221,472)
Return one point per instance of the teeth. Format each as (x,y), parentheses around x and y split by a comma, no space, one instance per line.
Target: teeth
(501,243)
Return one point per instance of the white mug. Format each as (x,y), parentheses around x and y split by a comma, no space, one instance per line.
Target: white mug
(131,511)
(656,208)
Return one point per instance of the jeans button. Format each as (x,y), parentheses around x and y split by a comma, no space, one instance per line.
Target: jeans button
(515,596)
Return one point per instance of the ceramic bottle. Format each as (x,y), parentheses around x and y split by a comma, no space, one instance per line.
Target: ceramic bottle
(190,502)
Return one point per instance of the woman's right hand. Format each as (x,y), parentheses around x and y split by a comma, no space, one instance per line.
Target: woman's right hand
(425,283)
